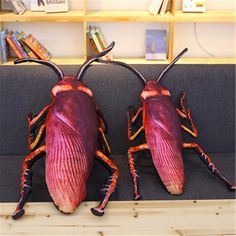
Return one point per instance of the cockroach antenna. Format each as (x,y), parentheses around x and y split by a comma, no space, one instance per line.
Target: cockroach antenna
(171,64)
(86,64)
(136,72)
(53,66)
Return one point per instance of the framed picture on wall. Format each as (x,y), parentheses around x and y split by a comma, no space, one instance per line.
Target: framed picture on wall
(56,6)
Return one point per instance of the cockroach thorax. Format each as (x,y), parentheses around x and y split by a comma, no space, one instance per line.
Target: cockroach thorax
(68,84)
(153,89)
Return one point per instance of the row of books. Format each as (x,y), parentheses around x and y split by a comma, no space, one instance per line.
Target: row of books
(158,7)
(156,43)
(27,46)
(98,41)
(22,46)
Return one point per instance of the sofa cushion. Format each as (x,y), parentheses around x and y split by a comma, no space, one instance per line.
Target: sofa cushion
(200,184)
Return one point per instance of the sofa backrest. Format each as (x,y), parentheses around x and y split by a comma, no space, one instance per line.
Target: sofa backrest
(210,95)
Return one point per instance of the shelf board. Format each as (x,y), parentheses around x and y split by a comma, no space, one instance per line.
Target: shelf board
(217,16)
(58,61)
(137,61)
(68,61)
(29,16)
(126,16)
(141,61)
(184,217)
(207,61)
(223,16)
(79,61)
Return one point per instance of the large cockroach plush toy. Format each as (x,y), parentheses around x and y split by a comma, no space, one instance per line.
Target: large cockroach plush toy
(162,127)
(73,129)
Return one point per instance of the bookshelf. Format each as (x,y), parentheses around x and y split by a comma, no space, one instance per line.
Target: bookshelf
(85,17)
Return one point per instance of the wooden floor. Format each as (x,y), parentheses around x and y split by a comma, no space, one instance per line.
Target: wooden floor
(203,217)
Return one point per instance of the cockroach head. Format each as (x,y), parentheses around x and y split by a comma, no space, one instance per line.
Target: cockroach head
(153,89)
(69,84)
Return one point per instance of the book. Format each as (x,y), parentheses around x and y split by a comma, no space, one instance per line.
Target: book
(155,6)
(56,6)
(98,46)
(18,45)
(37,47)
(156,44)
(4,50)
(164,7)
(14,45)
(98,41)
(102,42)
(37,5)
(91,40)
(5,5)
(17,6)
(20,38)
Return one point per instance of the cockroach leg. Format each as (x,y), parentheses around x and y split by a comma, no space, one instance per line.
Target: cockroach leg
(193,132)
(132,116)
(182,97)
(182,115)
(210,165)
(26,180)
(102,120)
(33,141)
(185,114)
(133,171)
(32,122)
(110,186)
(132,137)
(103,141)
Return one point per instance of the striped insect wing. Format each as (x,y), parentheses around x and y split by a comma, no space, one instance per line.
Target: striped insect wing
(71,141)
(163,134)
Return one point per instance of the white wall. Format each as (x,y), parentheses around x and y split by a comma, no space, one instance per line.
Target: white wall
(66,39)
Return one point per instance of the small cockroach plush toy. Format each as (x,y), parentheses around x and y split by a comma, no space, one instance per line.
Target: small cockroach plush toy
(163,132)
(73,129)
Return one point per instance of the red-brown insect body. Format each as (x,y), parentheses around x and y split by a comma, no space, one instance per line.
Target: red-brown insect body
(163,134)
(71,131)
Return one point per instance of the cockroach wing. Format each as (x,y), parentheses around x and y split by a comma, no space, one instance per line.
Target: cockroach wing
(71,141)
(163,135)
(162,112)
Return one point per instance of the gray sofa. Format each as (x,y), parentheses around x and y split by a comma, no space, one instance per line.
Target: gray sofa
(210,91)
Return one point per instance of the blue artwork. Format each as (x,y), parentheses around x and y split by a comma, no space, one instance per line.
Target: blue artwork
(156,44)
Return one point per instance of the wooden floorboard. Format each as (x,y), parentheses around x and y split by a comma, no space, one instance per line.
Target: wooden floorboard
(191,217)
